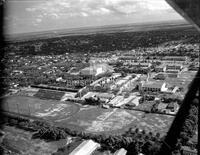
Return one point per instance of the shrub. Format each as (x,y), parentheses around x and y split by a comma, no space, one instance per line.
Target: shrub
(12,121)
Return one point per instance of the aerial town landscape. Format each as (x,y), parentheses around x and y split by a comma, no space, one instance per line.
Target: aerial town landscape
(101,93)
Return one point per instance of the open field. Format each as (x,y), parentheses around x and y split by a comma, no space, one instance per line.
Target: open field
(37,107)
(89,119)
(114,121)
(19,142)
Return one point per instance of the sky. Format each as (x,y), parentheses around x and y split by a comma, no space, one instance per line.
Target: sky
(23,16)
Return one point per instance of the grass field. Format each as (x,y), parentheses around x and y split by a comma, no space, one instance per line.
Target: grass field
(90,119)
(19,142)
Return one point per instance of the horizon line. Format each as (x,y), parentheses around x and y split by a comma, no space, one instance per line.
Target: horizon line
(98,26)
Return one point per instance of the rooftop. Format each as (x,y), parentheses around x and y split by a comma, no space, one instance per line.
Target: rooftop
(153,84)
(85,148)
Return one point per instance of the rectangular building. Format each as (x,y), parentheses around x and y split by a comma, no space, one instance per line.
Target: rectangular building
(154,86)
(121,151)
(85,148)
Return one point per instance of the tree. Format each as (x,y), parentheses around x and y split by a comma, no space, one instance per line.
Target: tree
(158,135)
(137,130)
(133,148)
(147,147)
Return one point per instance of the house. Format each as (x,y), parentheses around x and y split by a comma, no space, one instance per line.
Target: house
(87,147)
(154,86)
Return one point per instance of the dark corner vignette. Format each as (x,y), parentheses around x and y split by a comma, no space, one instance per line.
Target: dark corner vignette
(2,85)
(190,10)
(2,44)
(175,131)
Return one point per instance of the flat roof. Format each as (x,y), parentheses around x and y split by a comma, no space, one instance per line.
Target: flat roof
(153,84)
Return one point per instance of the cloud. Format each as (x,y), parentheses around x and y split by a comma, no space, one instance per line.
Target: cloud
(84,14)
(69,8)
(38,20)
(58,14)
(30,9)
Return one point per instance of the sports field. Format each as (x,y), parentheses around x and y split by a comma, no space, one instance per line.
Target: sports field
(32,106)
(90,119)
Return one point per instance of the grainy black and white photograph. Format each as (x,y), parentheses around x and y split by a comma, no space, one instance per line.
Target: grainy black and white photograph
(99,77)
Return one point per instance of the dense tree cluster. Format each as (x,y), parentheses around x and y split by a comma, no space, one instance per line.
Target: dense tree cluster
(170,99)
(92,101)
(102,42)
(127,69)
(146,98)
(133,140)
(191,123)
(49,94)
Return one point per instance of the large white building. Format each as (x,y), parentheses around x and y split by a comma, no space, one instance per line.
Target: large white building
(96,69)
(154,86)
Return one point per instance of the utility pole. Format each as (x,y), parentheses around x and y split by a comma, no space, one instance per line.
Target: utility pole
(17,108)
(7,107)
(29,109)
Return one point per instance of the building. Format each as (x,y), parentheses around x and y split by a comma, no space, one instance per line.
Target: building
(124,101)
(130,84)
(106,80)
(160,76)
(85,148)
(154,86)
(160,68)
(115,101)
(175,59)
(105,97)
(68,95)
(175,66)
(104,59)
(188,151)
(96,69)
(173,70)
(121,151)
(122,81)
(143,65)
